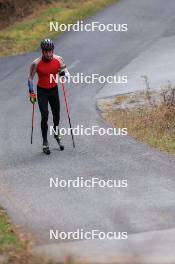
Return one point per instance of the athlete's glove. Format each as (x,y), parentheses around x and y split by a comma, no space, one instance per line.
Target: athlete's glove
(32,97)
(64,74)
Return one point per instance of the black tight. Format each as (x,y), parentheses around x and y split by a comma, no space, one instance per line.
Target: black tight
(50,96)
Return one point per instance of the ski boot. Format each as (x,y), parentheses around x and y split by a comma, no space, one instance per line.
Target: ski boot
(46,149)
(58,139)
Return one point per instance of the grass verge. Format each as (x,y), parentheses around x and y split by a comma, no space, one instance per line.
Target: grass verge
(14,247)
(154,125)
(26,35)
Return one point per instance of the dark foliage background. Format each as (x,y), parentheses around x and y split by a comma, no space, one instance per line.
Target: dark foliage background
(15,10)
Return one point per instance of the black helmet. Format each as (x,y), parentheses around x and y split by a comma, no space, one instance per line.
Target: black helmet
(47,44)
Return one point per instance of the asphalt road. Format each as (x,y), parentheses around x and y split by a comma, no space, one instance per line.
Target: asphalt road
(148,204)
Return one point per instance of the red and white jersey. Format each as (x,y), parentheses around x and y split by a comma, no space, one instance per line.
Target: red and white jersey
(44,69)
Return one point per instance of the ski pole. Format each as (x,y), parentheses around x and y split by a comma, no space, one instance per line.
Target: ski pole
(68,115)
(33,111)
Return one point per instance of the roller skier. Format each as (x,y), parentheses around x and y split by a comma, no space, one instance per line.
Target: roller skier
(47,93)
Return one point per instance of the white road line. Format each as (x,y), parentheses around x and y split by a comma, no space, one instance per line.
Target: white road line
(73,64)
